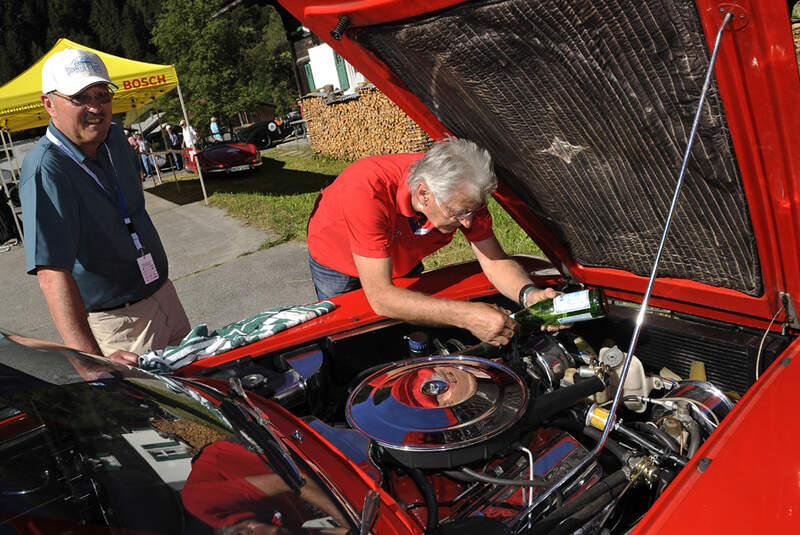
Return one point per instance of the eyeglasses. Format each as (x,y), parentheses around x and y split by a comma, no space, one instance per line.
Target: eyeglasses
(463,214)
(86,99)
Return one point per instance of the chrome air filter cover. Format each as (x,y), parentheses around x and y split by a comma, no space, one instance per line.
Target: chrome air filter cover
(439,412)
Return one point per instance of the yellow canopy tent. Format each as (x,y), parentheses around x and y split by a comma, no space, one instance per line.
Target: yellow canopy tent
(139,83)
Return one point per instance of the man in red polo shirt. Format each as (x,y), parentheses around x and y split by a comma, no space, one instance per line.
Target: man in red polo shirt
(384,214)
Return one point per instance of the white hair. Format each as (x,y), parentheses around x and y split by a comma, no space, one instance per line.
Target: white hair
(455,164)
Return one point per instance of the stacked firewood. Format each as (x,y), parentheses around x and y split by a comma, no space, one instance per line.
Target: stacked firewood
(350,127)
(796,35)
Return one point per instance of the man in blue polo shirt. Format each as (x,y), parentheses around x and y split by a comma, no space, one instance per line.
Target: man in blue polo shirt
(97,256)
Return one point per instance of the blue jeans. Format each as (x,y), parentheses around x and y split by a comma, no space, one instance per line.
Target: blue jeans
(148,164)
(178,159)
(330,283)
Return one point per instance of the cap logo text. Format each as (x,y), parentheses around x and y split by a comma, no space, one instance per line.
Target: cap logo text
(83,65)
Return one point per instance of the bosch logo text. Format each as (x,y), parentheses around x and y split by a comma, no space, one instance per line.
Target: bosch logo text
(144,81)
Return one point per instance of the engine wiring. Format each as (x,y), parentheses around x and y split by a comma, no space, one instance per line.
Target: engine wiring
(616,501)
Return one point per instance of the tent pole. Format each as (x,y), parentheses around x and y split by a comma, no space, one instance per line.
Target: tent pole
(192,150)
(15,211)
(5,148)
(14,154)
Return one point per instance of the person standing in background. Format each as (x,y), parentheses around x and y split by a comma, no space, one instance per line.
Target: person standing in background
(174,144)
(135,146)
(88,239)
(189,135)
(144,152)
(189,140)
(215,129)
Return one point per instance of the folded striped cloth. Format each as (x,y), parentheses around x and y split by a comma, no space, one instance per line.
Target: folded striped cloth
(200,343)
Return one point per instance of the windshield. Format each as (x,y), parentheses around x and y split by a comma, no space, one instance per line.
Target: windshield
(86,444)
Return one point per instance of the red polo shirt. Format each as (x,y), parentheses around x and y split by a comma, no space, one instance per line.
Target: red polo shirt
(367,211)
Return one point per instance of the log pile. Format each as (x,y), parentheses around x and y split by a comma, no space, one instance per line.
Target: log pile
(796,36)
(355,126)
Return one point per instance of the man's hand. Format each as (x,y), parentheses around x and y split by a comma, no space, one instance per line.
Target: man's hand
(125,357)
(546,293)
(540,294)
(506,275)
(490,323)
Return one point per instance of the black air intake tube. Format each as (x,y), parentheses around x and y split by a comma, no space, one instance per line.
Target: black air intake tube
(552,403)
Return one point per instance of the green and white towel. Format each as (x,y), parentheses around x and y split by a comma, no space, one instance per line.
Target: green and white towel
(200,344)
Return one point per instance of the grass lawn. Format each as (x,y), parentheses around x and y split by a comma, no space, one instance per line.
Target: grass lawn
(278,198)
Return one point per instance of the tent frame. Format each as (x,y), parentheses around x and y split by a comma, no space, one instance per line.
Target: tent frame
(16,211)
(135,90)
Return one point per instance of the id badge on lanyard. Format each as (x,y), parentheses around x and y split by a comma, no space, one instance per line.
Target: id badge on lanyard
(147,266)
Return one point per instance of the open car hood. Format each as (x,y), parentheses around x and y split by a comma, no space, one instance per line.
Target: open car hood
(587,110)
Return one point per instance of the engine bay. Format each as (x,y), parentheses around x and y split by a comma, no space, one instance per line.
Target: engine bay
(468,436)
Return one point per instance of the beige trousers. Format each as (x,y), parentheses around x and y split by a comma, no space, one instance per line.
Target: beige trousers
(153,323)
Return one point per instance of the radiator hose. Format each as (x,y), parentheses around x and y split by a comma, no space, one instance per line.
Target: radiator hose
(551,403)
(429,496)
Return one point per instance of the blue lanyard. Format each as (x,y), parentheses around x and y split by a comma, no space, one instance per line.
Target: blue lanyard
(119,200)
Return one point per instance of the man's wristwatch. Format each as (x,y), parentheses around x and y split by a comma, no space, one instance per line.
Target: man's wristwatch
(524,292)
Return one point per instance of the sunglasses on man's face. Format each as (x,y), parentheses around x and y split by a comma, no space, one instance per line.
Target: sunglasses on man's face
(86,99)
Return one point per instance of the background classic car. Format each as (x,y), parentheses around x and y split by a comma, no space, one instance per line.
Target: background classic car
(263,134)
(215,156)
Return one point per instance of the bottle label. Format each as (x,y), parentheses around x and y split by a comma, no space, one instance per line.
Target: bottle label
(573,319)
(571,302)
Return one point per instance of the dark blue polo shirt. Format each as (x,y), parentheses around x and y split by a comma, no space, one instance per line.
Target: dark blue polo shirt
(70,222)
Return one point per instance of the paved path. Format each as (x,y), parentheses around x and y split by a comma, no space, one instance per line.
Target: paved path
(214,262)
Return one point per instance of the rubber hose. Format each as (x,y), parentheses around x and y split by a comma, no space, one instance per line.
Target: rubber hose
(485,478)
(658,434)
(578,520)
(571,424)
(611,445)
(546,405)
(588,503)
(505,466)
(458,476)
(648,444)
(429,496)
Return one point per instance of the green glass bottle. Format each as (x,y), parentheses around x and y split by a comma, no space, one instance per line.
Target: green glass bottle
(565,308)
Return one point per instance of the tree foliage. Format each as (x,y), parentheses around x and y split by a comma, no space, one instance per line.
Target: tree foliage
(227,63)
(31,28)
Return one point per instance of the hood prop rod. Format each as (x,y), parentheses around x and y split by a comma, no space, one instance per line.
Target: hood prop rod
(521,523)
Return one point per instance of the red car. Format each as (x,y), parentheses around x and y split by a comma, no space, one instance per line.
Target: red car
(361,424)
(587,109)
(222,157)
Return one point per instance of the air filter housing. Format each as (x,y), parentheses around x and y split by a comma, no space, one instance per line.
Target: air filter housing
(439,412)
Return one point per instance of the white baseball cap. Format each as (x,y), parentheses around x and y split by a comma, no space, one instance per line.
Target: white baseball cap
(72,70)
